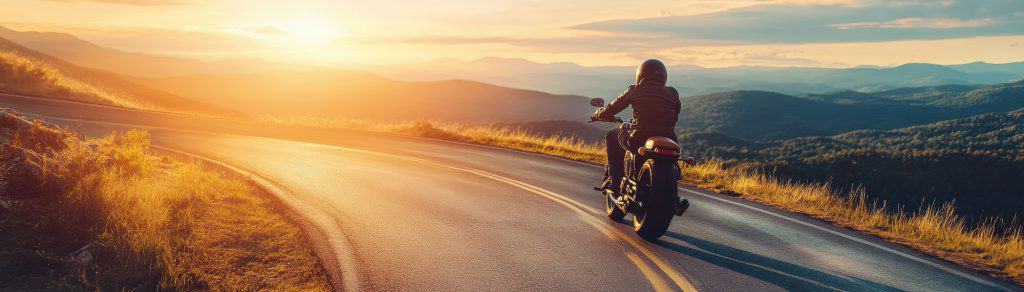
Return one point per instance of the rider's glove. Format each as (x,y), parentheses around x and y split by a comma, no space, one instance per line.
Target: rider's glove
(597,115)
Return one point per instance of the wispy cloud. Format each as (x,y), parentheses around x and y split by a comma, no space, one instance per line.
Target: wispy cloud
(268,30)
(130,2)
(174,41)
(580,43)
(907,23)
(860,22)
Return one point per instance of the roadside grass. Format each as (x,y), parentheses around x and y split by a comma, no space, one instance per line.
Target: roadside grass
(491,135)
(108,214)
(935,230)
(21,74)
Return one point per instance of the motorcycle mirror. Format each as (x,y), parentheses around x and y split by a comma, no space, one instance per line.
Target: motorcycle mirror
(597,102)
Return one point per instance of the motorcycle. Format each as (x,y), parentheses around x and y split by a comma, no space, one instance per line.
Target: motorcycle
(649,189)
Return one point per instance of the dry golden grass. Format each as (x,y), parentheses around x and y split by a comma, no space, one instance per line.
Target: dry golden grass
(25,75)
(506,137)
(152,222)
(512,138)
(934,230)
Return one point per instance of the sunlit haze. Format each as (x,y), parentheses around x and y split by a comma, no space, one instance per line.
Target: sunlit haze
(707,33)
(511,145)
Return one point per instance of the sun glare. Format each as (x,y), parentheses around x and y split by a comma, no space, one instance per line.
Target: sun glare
(313,30)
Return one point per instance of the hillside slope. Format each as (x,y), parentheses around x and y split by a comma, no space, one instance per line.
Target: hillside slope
(761,115)
(353,94)
(27,72)
(75,50)
(978,162)
(111,215)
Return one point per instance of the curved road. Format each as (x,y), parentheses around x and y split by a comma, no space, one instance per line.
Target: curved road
(423,215)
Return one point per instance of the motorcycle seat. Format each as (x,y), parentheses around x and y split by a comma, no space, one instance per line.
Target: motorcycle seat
(661,143)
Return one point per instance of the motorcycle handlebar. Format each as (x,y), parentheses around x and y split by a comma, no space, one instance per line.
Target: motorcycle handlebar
(613,120)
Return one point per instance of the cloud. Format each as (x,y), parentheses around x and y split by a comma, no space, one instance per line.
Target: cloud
(919,24)
(130,2)
(268,30)
(601,43)
(866,22)
(173,41)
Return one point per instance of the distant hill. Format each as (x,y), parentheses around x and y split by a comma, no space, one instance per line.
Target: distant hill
(760,115)
(580,130)
(517,73)
(353,94)
(27,72)
(75,50)
(908,75)
(977,161)
(983,67)
(560,77)
(606,81)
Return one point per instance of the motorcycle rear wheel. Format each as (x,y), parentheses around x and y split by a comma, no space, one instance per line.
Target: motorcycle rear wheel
(659,196)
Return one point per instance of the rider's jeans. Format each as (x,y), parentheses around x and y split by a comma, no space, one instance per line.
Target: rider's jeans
(614,143)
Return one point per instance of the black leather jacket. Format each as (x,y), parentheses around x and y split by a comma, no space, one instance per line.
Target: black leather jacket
(655,109)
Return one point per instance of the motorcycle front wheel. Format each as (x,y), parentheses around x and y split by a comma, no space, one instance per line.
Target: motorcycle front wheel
(658,194)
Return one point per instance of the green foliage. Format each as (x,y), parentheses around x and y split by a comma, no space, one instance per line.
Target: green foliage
(765,116)
(976,162)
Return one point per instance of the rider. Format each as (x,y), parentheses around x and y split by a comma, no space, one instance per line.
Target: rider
(655,112)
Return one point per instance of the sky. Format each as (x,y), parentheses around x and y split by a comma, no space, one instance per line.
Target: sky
(714,33)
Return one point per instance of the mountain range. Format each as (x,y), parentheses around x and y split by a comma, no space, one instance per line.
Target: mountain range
(81,52)
(27,72)
(763,115)
(607,81)
(359,95)
(264,88)
(560,78)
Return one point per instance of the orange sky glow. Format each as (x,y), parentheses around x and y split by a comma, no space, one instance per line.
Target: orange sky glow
(585,32)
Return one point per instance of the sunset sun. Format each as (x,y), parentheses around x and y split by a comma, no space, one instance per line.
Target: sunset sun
(312,30)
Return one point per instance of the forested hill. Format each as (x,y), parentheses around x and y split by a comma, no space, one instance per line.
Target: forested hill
(764,116)
(978,162)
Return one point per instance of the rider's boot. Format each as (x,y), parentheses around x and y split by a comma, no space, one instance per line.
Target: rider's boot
(681,206)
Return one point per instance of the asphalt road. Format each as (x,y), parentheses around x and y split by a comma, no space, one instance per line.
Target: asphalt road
(421,215)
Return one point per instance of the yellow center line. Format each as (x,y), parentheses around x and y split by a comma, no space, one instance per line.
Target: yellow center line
(652,276)
(585,211)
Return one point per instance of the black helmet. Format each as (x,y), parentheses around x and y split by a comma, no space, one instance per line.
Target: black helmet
(652,70)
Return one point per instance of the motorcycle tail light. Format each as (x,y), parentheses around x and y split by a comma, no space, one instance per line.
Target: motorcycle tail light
(668,152)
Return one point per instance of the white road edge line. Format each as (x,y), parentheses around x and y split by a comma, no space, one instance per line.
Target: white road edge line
(343,256)
(872,244)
